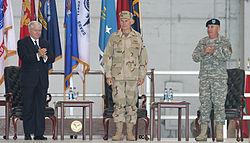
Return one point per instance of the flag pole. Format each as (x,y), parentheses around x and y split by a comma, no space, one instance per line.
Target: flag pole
(64,85)
(140,15)
(142,88)
(103,89)
(83,93)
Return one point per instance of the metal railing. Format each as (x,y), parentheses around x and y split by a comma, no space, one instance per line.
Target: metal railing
(150,86)
(157,95)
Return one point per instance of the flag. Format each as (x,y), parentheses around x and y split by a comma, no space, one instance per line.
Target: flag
(7,34)
(27,15)
(135,10)
(108,25)
(121,6)
(47,16)
(247,89)
(71,49)
(83,35)
(247,108)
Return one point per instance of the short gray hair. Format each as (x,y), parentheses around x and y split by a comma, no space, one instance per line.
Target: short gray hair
(32,23)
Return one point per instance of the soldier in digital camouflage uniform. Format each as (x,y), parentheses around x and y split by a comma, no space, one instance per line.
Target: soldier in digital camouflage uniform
(212,52)
(125,65)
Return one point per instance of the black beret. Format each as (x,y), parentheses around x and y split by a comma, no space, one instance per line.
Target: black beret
(213,22)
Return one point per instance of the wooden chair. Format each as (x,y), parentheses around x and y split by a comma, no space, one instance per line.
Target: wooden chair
(235,99)
(13,95)
(108,111)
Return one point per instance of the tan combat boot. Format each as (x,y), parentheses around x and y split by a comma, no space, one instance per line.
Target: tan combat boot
(219,133)
(203,134)
(118,135)
(130,136)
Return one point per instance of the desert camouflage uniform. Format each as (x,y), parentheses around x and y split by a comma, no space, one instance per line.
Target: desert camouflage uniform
(213,77)
(125,61)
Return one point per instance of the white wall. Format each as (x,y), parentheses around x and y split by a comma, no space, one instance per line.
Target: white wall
(247,34)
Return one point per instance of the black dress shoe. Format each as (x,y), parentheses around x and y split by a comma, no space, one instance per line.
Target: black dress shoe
(27,137)
(40,138)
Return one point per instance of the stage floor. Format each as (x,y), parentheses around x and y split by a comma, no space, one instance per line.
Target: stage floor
(98,139)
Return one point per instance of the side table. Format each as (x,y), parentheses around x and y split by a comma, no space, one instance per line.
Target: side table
(7,119)
(160,105)
(83,104)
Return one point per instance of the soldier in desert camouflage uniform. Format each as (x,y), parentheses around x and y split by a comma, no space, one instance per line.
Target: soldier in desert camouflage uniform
(125,65)
(212,52)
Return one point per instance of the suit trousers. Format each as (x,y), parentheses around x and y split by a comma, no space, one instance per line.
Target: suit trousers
(34,109)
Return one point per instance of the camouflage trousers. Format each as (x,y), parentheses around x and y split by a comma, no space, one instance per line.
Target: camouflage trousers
(213,92)
(124,94)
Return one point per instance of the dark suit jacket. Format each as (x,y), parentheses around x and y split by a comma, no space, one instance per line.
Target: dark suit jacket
(34,72)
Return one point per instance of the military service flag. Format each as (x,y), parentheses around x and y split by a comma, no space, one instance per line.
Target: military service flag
(71,49)
(108,25)
(47,15)
(7,34)
(83,27)
(121,6)
(135,10)
(27,15)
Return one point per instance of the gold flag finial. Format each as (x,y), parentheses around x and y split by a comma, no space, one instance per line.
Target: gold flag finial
(248,62)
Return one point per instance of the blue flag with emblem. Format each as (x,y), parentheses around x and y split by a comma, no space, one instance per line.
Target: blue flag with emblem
(108,25)
(71,49)
(135,10)
(47,16)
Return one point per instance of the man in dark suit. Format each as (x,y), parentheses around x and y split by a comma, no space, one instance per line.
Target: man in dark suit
(36,55)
